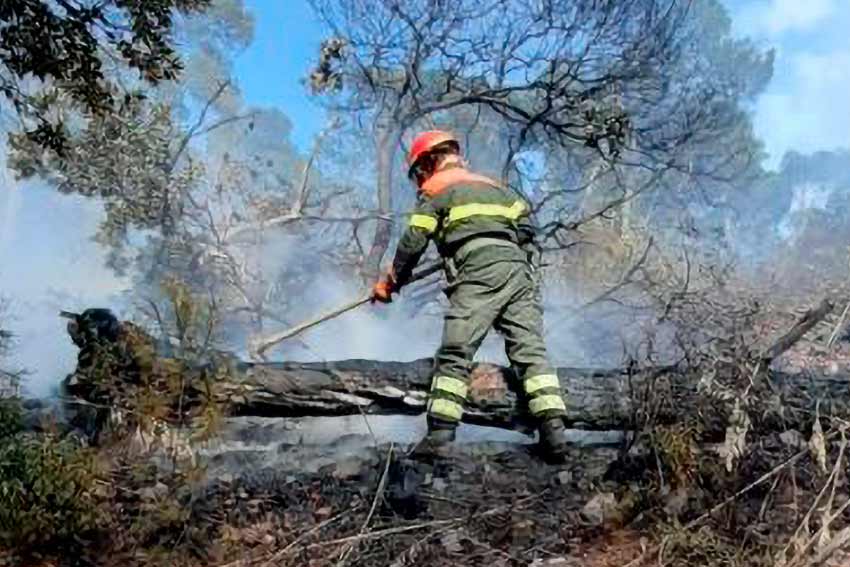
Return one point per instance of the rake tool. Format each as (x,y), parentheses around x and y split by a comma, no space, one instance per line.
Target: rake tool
(259,347)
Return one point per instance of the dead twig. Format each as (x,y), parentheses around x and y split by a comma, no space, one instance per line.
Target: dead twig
(767,499)
(390,531)
(431,524)
(291,545)
(807,517)
(625,278)
(831,482)
(816,536)
(811,318)
(839,541)
(838,327)
(379,493)
(716,508)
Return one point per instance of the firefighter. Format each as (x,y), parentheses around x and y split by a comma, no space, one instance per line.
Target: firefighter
(485,236)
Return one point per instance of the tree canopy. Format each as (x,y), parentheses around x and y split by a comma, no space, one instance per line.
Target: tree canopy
(59,50)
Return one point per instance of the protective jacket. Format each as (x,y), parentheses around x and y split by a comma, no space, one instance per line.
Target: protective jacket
(456,208)
(484,234)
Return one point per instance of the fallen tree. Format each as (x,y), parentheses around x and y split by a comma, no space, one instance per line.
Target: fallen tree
(668,472)
(597,399)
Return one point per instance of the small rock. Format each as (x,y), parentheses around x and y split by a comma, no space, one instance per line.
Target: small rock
(268,539)
(793,439)
(393,392)
(415,401)
(439,484)
(564,477)
(451,542)
(348,468)
(599,508)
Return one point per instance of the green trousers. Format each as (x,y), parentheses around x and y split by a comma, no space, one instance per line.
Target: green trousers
(488,293)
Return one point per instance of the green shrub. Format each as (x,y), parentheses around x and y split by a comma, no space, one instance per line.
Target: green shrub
(47,499)
(11,417)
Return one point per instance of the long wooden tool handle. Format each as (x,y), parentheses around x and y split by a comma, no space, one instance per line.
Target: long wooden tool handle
(272,340)
(264,344)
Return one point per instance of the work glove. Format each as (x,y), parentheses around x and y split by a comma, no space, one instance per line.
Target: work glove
(384,288)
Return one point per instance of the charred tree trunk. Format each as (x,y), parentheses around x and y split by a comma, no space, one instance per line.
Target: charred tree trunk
(596,399)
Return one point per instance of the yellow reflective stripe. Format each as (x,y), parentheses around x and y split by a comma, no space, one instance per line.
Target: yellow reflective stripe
(450,385)
(464,211)
(543,403)
(424,221)
(445,409)
(541,381)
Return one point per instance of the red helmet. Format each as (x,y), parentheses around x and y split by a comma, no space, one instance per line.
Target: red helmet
(427,141)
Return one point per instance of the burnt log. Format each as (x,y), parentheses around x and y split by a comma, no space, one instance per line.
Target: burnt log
(596,399)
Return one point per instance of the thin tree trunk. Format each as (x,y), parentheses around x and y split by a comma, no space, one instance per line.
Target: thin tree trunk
(386,140)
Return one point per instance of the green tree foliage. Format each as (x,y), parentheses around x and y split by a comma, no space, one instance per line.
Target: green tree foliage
(125,157)
(11,417)
(140,154)
(55,50)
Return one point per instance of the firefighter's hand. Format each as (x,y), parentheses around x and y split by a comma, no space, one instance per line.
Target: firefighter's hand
(384,288)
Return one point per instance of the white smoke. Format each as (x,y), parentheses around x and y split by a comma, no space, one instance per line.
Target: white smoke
(48,263)
(806,196)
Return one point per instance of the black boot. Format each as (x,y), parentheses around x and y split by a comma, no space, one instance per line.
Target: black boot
(437,442)
(553,441)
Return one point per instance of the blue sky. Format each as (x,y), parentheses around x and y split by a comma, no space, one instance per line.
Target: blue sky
(47,262)
(805,107)
(286,45)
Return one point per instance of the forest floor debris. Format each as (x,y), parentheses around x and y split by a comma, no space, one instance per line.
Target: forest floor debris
(670,494)
(497,505)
